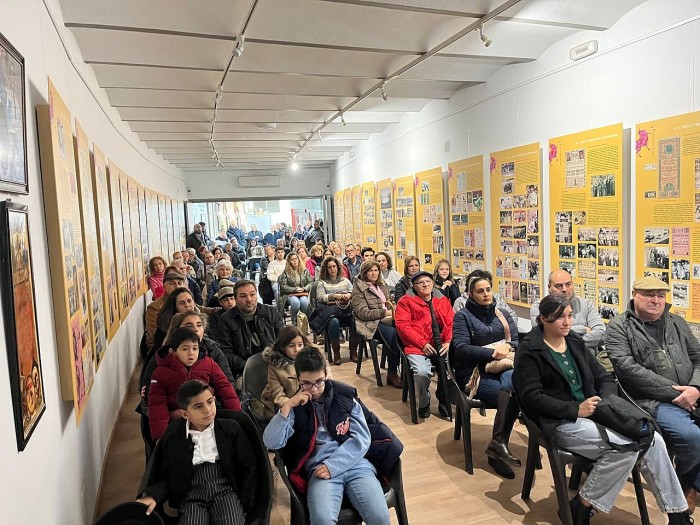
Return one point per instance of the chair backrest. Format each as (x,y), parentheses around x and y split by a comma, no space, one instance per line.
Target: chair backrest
(264,490)
(255,375)
(313,295)
(131,513)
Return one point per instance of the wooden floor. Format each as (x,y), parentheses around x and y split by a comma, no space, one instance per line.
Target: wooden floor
(437,488)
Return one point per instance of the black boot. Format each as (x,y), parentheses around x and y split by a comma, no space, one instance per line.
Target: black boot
(580,514)
(506,414)
(501,468)
(680,518)
(335,345)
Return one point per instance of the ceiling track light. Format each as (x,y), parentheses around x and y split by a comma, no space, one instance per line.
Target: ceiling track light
(238,50)
(486,40)
(294,165)
(384,94)
(320,137)
(342,120)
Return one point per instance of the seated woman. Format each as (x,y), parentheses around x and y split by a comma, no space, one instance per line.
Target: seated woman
(156,268)
(282,381)
(424,323)
(559,384)
(179,300)
(390,276)
(411,266)
(224,271)
(370,306)
(255,255)
(332,305)
(445,281)
(303,254)
(315,260)
(461,302)
(483,334)
(294,285)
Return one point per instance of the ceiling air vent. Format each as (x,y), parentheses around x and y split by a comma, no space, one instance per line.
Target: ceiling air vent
(266,181)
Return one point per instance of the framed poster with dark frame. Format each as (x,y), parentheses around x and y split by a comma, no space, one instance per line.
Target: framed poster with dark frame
(13,121)
(18,301)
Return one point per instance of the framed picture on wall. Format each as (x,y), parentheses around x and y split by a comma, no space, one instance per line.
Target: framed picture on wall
(13,128)
(19,312)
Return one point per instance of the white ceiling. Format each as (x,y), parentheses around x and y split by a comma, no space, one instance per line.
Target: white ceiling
(304,62)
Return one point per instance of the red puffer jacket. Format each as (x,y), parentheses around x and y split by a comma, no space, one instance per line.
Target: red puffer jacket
(167,378)
(414,325)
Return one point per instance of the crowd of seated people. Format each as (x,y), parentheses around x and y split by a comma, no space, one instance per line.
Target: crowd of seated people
(557,374)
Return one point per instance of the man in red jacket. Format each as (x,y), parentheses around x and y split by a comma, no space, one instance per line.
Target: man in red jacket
(424,324)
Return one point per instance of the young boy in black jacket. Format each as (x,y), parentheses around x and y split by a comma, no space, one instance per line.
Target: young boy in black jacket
(205,466)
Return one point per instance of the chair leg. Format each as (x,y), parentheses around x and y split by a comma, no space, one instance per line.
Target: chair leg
(404,378)
(375,362)
(576,472)
(559,475)
(458,421)
(533,452)
(362,351)
(467,441)
(412,395)
(383,357)
(641,500)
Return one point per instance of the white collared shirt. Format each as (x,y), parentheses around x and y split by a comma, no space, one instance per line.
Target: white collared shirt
(204,444)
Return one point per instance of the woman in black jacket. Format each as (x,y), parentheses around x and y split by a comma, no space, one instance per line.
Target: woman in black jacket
(559,383)
(445,281)
(483,335)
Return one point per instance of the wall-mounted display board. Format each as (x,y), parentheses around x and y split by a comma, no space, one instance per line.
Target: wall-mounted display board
(430,216)
(338,216)
(64,233)
(465,180)
(174,228)
(515,176)
(668,208)
(115,203)
(108,267)
(586,213)
(347,205)
(95,301)
(126,233)
(356,214)
(163,224)
(176,225)
(369,215)
(385,221)
(169,227)
(143,228)
(136,235)
(405,223)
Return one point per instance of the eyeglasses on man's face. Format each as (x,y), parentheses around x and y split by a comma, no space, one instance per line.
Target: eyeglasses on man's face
(308,385)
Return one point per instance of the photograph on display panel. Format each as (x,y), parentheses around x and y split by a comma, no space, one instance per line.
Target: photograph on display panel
(19,313)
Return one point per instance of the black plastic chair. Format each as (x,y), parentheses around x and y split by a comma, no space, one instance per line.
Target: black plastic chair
(558,459)
(131,512)
(362,351)
(409,386)
(299,511)
(264,490)
(463,424)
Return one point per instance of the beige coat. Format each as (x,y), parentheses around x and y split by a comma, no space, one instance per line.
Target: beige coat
(367,308)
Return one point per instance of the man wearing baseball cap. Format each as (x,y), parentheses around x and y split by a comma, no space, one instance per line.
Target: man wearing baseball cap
(657,360)
(226,300)
(172,280)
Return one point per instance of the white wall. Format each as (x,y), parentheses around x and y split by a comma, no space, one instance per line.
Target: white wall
(55,480)
(311,182)
(647,67)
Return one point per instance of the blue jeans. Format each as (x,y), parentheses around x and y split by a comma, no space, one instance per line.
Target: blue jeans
(334,324)
(612,467)
(682,431)
(491,384)
(363,489)
(296,304)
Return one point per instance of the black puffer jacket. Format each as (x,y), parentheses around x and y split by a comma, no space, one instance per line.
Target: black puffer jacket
(644,369)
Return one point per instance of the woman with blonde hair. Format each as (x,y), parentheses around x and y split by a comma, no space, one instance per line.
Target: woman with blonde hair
(315,260)
(303,254)
(445,281)
(294,284)
(336,249)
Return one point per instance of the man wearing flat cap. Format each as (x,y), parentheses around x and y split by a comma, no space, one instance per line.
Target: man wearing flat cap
(226,300)
(424,324)
(657,360)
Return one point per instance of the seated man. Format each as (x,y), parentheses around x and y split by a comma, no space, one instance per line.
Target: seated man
(326,442)
(172,280)
(247,328)
(424,325)
(587,321)
(275,269)
(182,267)
(204,466)
(657,360)
(226,301)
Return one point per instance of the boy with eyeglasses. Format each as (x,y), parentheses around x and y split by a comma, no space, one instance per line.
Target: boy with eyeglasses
(332,445)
